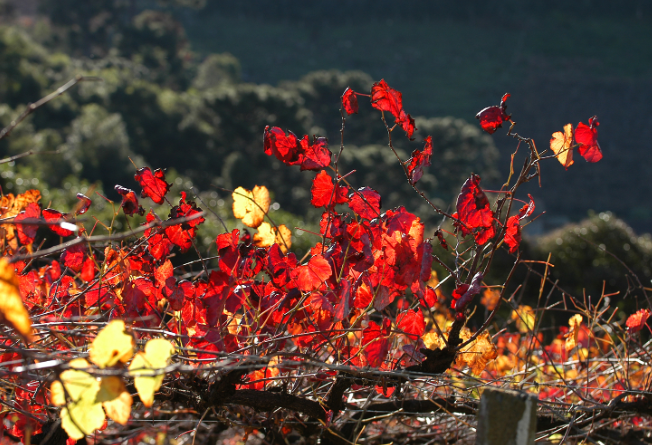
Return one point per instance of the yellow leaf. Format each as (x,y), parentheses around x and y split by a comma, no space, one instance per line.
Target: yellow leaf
(477,354)
(112,345)
(433,341)
(561,145)
(156,357)
(84,413)
(251,206)
(525,318)
(115,399)
(571,337)
(268,235)
(12,310)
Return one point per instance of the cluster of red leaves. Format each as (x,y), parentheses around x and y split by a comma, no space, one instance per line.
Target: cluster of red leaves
(294,151)
(383,98)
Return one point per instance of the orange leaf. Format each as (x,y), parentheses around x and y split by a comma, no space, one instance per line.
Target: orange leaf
(571,338)
(561,145)
(12,310)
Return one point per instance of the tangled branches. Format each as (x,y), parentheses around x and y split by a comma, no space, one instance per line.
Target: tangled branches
(126,337)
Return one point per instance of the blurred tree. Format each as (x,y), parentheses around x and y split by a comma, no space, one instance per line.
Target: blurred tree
(97,147)
(582,255)
(157,41)
(90,26)
(217,69)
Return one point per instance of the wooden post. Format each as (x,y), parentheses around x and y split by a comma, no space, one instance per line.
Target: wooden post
(506,417)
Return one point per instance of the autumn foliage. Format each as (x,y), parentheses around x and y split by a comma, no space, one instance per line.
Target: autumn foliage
(99,330)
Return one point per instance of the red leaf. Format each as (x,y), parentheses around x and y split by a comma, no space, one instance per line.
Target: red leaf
(83,204)
(407,123)
(385,392)
(73,257)
(187,209)
(527,209)
(312,275)
(350,101)
(430,298)
(419,159)
(440,236)
(375,345)
(492,118)
(284,147)
(365,202)
(513,233)
(88,269)
(27,233)
(317,155)
(183,233)
(473,207)
(322,310)
(54,216)
(331,225)
(343,307)
(385,98)
(159,246)
(163,272)
(364,294)
(280,266)
(484,234)
(129,201)
(411,323)
(178,296)
(636,321)
(587,137)
(322,191)
(154,185)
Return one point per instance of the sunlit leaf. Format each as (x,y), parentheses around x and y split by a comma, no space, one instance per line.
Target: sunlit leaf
(637,320)
(112,345)
(350,101)
(561,145)
(115,399)
(268,235)
(571,337)
(83,414)
(251,205)
(12,310)
(525,318)
(155,358)
(492,118)
(587,137)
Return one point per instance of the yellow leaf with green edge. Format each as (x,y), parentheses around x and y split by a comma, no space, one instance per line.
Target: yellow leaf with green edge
(12,310)
(83,414)
(112,345)
(156,357)
(115,399)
